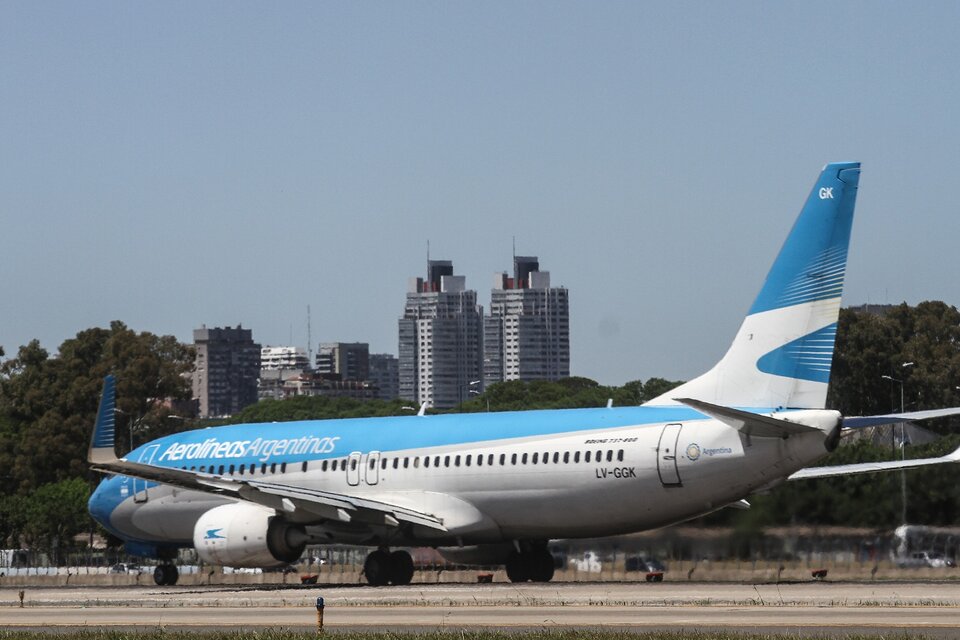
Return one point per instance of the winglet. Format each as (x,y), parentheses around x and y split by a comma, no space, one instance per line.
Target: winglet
(104,430)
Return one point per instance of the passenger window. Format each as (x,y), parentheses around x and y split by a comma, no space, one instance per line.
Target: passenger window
(610,455)
(576,456)
(566,457)
(586,457)
(323,466)
(231,468)
(436,461)
(333,465)
(490,460)
(221,470)
(467,461)
(599,456)
(513,459)
(406,462)
(273,468)
(446,461)
(396,463)
(480,461)
(426,462)
(283,467)
(620,455)
(503,459)
(263,469)
(556,457)
(353,465)
(203,468)
(416,462)
(546,458)
(456,461)
(372,463)
(383,463)
(304,466)
(535,457)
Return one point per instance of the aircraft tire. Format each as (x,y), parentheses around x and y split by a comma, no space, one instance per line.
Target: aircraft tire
(540,564)
(377,568)
(518,569)
(166,575)
(401,569)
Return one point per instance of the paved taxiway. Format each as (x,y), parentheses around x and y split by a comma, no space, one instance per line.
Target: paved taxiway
(931,609)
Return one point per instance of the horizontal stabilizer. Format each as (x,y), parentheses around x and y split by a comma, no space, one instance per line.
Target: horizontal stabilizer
(872,467)
(752,424)
(861,422)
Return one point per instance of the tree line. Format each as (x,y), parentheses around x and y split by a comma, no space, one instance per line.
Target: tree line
(48,403)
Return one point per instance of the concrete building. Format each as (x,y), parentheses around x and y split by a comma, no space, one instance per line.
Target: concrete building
(274,358)
(440,339)
(526,336)
(349,360)
(279,384)
(385,375)
(226,371)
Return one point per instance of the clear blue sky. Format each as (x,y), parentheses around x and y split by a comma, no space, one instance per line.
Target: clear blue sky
(178,163)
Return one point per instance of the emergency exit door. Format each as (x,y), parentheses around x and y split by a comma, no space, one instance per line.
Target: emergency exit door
(667,455)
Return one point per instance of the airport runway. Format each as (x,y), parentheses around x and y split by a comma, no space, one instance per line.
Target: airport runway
(808,609)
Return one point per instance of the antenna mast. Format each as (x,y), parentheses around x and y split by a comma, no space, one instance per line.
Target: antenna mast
(309,342)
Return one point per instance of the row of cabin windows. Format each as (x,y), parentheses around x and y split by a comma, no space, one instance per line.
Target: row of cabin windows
(243,469)
(479,460)
(468,460)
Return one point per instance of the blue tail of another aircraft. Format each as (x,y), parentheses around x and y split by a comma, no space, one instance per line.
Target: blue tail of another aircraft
(782,354)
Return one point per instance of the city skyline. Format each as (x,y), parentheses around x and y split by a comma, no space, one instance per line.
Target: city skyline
(171,165)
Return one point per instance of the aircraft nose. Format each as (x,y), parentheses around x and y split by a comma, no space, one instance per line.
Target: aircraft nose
(104,500)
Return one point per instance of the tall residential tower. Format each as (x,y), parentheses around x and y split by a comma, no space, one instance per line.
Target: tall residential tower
(440,339)
(527,334)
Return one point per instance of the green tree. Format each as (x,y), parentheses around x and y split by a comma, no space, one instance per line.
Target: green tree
(48,404)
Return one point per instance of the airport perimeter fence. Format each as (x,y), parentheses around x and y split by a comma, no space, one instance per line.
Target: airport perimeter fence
(674,554)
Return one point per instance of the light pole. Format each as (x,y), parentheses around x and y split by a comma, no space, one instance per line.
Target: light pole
(903,448)
(475,392)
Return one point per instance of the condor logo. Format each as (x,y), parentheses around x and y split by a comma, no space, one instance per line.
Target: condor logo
(214,534)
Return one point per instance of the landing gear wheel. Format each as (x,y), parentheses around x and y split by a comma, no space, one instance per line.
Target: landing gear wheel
(377,568)
(166,575)
(540,565)
(517,569)
(402,568)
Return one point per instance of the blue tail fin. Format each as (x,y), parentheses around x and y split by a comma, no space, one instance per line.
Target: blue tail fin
(781,356)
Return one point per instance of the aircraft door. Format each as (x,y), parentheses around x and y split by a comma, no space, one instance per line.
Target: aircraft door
(372,468)
(667,455)
(139,485)
(353,469)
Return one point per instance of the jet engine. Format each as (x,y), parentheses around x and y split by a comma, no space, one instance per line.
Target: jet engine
(247,535)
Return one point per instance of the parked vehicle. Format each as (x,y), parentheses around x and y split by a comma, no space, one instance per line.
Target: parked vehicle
(933,559)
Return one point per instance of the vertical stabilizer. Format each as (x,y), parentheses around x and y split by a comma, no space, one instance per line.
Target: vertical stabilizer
(782,354)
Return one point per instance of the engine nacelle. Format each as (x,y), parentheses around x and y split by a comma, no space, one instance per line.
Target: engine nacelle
(247,535)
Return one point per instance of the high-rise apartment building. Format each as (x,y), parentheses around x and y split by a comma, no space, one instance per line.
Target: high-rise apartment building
(349,360)
(440,339)
(273,358)
(385,375)
(226,371)
(526,336)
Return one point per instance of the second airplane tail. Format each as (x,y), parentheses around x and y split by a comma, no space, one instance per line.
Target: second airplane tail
(782,354)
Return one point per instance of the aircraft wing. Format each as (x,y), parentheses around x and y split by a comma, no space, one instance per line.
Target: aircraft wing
(300,503)
(872,467)
(860,422)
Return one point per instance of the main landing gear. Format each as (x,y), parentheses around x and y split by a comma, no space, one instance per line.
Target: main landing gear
(384,567)
(532,563)
(166,575)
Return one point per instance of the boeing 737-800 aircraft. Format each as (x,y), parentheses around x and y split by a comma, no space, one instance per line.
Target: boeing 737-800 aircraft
(495,487)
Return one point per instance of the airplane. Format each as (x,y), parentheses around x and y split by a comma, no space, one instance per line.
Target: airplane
(494,488)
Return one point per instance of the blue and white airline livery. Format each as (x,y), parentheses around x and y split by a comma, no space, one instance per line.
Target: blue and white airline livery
(491,488)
